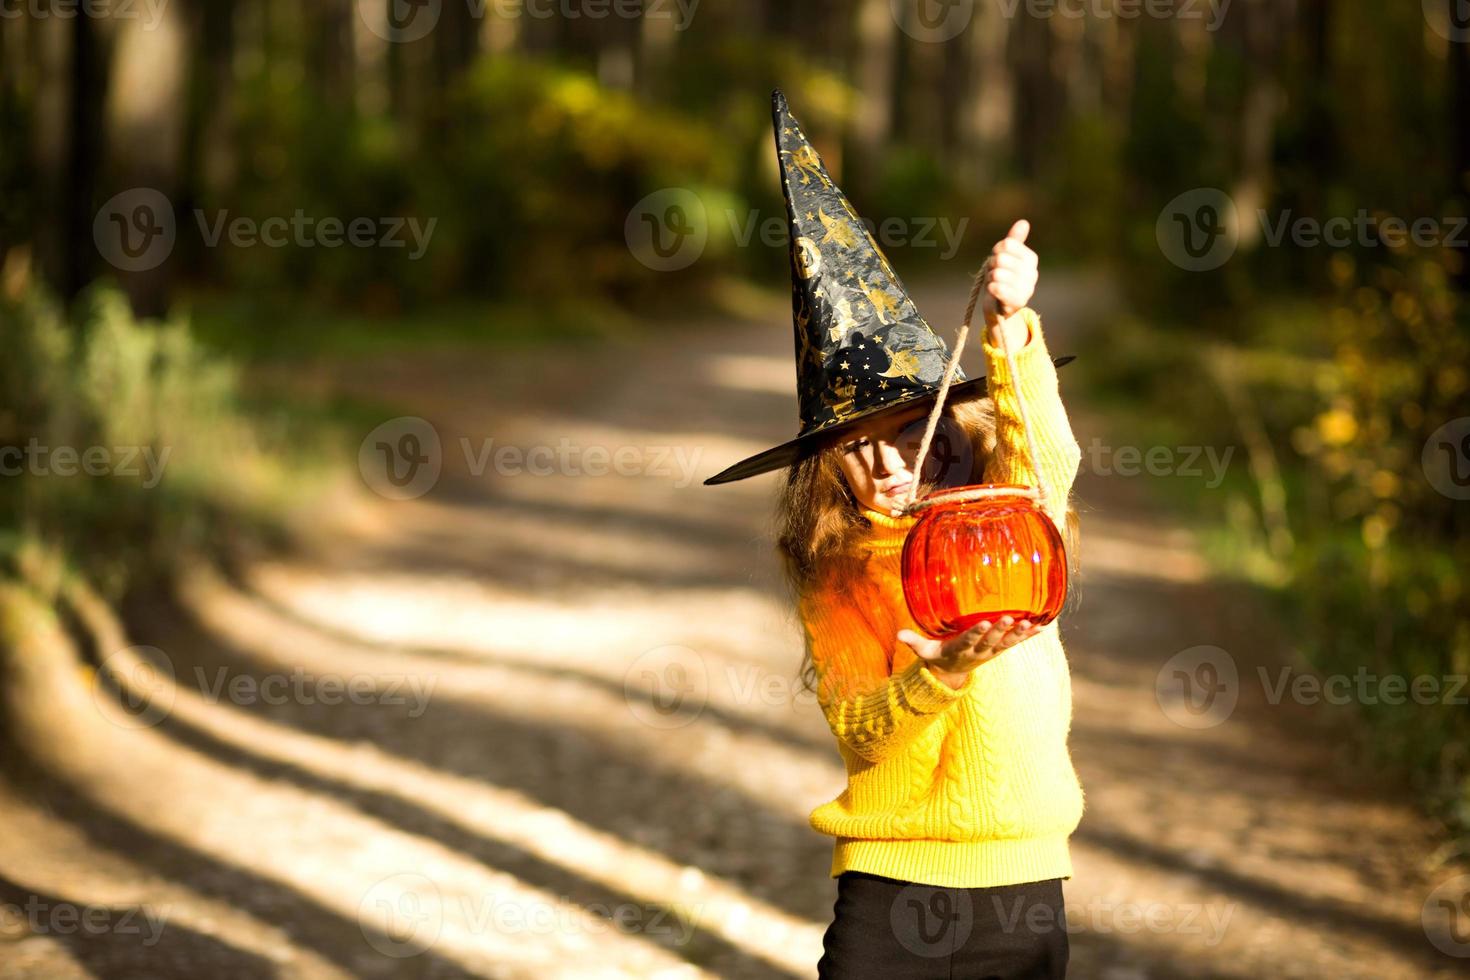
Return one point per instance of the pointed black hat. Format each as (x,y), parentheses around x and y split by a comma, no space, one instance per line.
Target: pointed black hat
(861,346)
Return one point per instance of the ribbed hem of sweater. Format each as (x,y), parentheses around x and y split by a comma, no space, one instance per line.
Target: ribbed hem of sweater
(956,864)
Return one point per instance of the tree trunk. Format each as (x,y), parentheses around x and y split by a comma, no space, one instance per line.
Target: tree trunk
(88,84)
(456,41)
(144,137)
(1035,91)
(872,124)
(328,55)
(208,165)
(1459,125)
(988,113)
(1259,112)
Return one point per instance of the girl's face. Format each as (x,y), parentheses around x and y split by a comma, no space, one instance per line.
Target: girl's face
(877,458)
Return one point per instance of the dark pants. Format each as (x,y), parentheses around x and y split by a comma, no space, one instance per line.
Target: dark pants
(897,930)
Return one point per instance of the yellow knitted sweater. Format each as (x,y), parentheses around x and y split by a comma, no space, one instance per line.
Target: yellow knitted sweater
(962,787)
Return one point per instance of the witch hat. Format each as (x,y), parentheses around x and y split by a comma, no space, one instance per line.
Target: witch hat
(862,349)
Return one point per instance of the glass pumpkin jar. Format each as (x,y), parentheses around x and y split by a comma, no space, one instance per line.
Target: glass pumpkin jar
(965,560)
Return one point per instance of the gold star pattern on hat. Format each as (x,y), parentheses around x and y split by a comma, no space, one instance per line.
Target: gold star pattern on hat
(839,232)
(902,364)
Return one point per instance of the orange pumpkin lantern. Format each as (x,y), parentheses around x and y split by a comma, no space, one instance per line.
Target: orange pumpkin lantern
(982,551)
(979,553)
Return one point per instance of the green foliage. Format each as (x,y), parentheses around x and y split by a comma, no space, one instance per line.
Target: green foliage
(1350,389)
(527,171)
(124,443)
(553,162)
(304,153)
(1084,190)
(1394,546)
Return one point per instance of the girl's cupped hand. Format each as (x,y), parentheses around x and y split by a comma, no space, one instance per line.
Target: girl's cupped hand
(950,660)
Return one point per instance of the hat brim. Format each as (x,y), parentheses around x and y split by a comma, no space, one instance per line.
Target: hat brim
(795,450)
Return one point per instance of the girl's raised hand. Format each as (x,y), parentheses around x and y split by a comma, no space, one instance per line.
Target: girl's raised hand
(951,659)
(1009,278)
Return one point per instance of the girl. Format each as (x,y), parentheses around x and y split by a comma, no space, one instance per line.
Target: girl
(951,837)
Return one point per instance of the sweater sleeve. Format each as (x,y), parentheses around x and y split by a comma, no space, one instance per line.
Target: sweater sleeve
(1058,454)
(871,711)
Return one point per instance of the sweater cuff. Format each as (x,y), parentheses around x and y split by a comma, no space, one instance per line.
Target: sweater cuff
(1033,360)
(926,693)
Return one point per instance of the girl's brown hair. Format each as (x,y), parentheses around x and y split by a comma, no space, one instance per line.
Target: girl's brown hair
(820,524)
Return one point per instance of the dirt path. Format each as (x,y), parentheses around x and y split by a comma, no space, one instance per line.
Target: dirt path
(534,725)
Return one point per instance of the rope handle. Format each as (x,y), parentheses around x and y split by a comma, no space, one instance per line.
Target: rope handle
(909,504)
